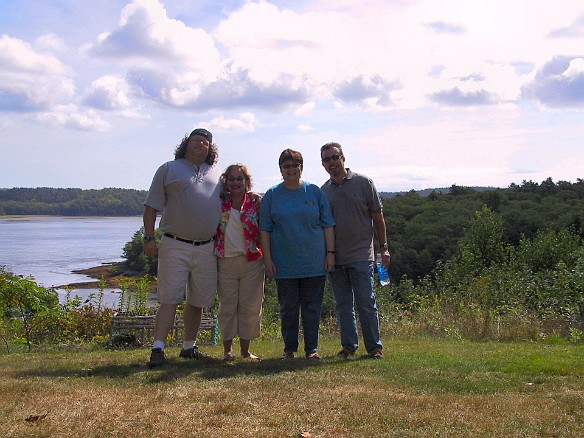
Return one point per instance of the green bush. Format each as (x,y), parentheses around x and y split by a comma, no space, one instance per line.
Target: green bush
(135,258)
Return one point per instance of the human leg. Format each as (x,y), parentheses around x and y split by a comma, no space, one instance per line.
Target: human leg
(172,279)
(289,300)
(227,288)
(163,322)
(345,308)
(228,350)
(361,275)
(311,295)
(192,317)
(251,294)
(200,294)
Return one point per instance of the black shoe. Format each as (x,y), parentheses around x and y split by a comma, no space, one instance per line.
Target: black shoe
(193,353)
(156,358)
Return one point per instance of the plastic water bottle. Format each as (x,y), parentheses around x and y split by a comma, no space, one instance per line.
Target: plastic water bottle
(382,271)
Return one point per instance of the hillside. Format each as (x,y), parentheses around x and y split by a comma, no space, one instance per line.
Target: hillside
(422,230)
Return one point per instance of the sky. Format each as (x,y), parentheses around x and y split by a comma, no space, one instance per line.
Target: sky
(420,93)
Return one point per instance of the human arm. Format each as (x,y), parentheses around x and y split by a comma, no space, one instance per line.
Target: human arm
(149,218)
(381,232)
(267,252)
(329,238)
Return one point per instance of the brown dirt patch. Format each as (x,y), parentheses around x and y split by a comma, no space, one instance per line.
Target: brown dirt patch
(111,272)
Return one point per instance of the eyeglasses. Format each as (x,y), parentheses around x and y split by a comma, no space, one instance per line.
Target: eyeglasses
(334,157)
(235,178)
(290,166)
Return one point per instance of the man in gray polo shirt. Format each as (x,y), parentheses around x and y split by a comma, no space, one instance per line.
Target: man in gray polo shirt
(186,191)
(357,210)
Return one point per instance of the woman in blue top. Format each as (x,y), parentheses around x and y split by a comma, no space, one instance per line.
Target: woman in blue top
(296,227)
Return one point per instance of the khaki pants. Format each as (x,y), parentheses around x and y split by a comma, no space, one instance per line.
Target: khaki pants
(241,292)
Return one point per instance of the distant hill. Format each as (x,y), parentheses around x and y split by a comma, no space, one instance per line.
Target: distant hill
(439,191)
(71,201)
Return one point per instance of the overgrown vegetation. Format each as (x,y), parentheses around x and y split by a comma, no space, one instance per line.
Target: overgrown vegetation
(32,315)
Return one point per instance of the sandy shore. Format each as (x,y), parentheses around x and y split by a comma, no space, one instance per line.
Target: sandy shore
(111,272)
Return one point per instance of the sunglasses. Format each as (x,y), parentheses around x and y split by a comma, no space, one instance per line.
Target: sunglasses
(238,179)
(332,157)
(290,166)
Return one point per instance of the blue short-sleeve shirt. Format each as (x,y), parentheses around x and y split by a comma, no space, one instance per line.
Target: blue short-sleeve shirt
(295,221)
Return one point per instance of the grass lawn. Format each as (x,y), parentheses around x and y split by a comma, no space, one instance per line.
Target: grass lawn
(424,387)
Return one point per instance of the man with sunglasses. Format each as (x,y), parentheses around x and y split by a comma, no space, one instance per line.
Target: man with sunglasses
(358,213)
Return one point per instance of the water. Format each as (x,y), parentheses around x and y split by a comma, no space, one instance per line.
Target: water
(49,248)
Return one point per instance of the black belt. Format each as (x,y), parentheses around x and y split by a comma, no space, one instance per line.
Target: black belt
(191,242)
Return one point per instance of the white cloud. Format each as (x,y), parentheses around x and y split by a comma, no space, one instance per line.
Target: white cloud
(305,109)
(108,93)
(30,80)
(575,70)
(246,122)
(51,42)
(558,83)
(70,116)
(304,128)
(177,60)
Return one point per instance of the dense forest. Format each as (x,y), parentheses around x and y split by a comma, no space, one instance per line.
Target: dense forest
(71,202)
(423,230)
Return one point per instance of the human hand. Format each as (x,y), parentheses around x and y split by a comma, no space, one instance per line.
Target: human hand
(386,258)
(270,268)
(150,249)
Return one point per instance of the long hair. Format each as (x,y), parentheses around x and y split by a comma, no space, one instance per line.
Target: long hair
(181,151)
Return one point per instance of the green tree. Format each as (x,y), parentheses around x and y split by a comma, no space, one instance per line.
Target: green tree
(135,258)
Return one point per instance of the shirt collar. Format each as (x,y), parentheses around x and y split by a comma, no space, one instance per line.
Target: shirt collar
(347,177)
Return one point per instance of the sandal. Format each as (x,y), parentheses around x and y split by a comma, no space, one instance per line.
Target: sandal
(251,357)
(228,357)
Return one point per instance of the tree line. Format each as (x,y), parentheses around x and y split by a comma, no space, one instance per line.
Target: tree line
(72,201)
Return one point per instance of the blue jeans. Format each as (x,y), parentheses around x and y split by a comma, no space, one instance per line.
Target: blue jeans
(304,296)
(353,288)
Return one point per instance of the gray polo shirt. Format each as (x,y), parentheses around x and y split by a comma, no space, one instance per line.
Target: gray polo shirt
(188,199)
(352,202)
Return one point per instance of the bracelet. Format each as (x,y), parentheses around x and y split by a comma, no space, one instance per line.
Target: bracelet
(331,252)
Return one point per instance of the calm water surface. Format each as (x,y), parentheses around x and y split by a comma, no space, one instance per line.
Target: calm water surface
(49,248)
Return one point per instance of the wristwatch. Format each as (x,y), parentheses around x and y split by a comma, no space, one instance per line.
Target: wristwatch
(148,238)
(385,246)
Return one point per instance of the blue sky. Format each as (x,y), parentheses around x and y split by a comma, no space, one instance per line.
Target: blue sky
(420,94)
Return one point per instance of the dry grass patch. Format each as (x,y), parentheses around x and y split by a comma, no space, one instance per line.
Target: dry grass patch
(423,388)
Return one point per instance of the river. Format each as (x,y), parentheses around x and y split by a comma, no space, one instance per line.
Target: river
(49,248)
